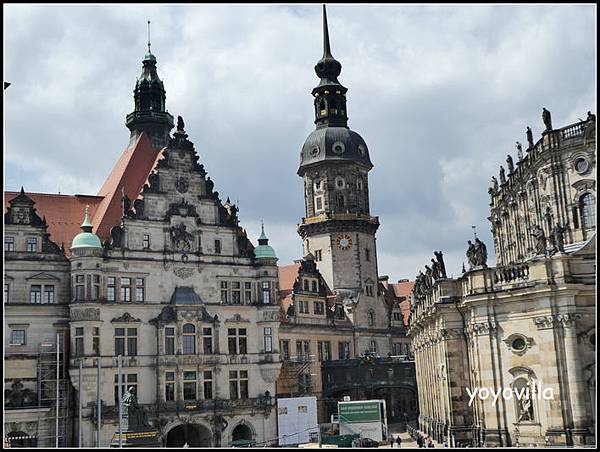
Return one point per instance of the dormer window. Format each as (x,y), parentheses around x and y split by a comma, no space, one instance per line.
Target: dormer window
(31,245)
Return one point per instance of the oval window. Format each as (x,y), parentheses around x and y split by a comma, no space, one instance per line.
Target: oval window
(338,147)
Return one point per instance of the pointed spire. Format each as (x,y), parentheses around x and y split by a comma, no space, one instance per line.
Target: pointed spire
(263,239)
(22,190)
(326,45)
(149,51)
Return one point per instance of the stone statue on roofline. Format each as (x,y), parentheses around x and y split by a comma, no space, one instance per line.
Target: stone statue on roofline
(540,240)
(519,151)
(440,258)
(547,118)
(529,138)
(180,124)
(509,162)
(502,175)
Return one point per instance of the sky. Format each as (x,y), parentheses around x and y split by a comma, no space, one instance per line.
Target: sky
(440,93)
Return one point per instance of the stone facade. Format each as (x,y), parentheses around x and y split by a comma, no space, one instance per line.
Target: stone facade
(526,324)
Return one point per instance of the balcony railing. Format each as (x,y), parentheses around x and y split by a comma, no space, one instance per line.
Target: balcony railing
(576,130)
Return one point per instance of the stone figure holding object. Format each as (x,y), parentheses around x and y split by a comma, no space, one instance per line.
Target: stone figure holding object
(547,118)
(440,258)
(509,162)
(502,175)
(529,137)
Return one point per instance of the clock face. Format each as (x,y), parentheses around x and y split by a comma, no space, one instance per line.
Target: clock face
(344,242)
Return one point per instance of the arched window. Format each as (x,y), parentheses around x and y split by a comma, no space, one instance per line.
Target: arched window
(189,339)
(306,285)
(373,348)
(588,213)
(371,317)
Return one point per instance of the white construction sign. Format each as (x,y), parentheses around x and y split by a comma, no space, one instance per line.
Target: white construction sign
(297,420)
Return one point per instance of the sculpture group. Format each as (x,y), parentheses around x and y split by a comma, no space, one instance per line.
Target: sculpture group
(477,254)
(424,281)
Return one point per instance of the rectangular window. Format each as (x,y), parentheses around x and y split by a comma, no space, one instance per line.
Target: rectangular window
(96,287)
(189,386)
(266,290)
(303,350)
(344,350)
(126,290)
(111,284)
(369,290)
(285,350)
(207,341)
(131,341)
(373,347)
(119,341)
(169,341)
(233,384)
(318,255)
(238,384)
(146,241)
(319,308)
(248,292)
(243,384)
(127,381)
(96,341)
(397,317)
(169,386)
(340,314)
(224,292)
(78,341)
(31,244)
(268,334)
(237,341)
(189,339)
(303,306)
(236,292)
(396,349)
(17,337)
(217,247)
(319,203)
(324,350)
(9,243)
(6,293)
(367,254)
(48,294)
(35,294)
(139,290)
(208,385)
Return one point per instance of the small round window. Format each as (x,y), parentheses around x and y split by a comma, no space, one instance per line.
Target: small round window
(519,344)
(581,165)
(315,151)
(338,147)
(362,150)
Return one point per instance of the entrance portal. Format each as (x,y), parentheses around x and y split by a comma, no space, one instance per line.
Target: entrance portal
(195,435)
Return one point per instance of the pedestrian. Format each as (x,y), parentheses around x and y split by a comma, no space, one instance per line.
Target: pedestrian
(398,442)
(419,440)
(430,443)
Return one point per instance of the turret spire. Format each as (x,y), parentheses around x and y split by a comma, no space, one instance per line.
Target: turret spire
(149,37)
(326,45)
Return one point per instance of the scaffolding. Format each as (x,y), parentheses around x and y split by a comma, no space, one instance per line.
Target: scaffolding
(294,372)
(53,388)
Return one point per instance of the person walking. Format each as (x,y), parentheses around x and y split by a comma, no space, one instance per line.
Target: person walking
(398,442)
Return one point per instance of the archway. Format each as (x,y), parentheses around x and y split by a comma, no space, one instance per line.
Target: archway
(195,435)
(242,436)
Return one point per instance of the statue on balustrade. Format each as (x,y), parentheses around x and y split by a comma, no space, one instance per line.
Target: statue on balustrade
(494,187)
(435,270)
(529,138)
(502,175)
(440,258)
(547,118)
(540,239)
(509,162)
(477,254)
(519,152)
(557,238)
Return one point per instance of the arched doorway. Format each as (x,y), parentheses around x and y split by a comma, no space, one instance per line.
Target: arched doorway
(20,439)
(195,435)
(242,436)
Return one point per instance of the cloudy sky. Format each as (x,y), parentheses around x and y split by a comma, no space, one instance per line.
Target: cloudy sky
(440,93)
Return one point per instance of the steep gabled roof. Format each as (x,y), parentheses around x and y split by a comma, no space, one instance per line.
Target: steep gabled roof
(129,174)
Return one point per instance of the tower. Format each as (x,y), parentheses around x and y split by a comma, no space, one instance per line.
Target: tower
(334,163)
(150,114)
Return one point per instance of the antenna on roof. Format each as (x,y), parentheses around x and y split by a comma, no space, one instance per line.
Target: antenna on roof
(149,37)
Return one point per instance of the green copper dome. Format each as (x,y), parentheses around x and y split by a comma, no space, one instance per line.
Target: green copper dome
(263,250)
(86,239)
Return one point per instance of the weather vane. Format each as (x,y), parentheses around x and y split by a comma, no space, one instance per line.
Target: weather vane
(474,231)
(149,37)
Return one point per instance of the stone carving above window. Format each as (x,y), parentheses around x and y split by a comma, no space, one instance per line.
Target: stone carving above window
(125,318)
(85,314)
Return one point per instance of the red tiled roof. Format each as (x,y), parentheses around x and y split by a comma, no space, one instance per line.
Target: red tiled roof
(64,213)
(130,173)
(402,290)
(287,276)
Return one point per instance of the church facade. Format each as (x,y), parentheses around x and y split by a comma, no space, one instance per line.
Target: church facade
(525,327)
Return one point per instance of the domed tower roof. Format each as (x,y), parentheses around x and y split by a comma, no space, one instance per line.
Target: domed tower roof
(86,239)
(263,250)
(332,140)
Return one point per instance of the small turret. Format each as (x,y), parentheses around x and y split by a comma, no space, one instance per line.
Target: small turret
(86,239)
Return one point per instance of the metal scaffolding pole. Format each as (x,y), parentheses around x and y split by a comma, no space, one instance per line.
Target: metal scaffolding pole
(98,405)
(57,385)
(80,404)
(120,390)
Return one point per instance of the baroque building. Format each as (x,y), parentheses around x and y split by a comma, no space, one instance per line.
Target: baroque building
(336,313)
(161,274)
(526,326)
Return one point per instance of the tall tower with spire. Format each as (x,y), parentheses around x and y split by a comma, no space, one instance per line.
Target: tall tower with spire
(334,163)
(150,114)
